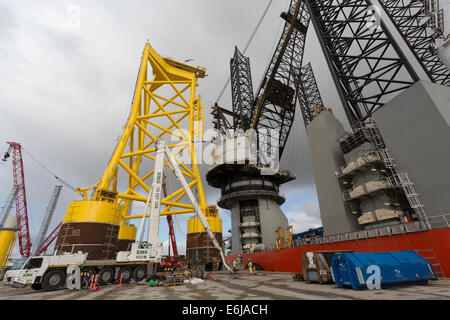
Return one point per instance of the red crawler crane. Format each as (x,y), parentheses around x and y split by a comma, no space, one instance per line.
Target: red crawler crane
(21,199)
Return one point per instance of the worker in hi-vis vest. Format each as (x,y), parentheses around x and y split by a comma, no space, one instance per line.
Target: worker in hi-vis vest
(250,266)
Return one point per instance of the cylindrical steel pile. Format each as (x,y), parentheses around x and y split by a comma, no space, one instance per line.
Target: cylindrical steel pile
(200,249)
(92,227)
(7,239)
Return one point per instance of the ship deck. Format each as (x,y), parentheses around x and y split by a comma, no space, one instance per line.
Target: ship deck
(240,286)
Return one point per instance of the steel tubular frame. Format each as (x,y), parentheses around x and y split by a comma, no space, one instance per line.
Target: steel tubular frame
(165,105)
(241,89)
(415,26)
(367,65)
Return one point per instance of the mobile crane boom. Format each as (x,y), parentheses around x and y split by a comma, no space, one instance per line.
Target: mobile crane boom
(161,145)
(152,249)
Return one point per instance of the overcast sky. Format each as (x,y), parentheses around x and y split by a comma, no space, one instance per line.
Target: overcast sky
(67,81)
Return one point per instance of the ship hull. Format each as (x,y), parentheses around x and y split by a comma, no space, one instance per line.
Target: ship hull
(290,259)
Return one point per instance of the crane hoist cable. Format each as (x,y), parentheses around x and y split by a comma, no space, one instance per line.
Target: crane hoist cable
(54,175)
(179,228)
(246,46)
(21,203)
(274,43)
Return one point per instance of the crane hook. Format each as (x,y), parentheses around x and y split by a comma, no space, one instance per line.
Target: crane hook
(7,154)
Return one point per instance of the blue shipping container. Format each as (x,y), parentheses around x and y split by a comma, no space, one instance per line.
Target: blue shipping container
(353,269)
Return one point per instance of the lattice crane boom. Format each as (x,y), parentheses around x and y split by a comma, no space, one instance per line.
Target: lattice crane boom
(276,96)
(273,107)
(50,238)
(47,219)
(170,223)
(21,200)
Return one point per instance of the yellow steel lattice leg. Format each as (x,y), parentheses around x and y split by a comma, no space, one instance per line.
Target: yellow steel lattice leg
(165,105)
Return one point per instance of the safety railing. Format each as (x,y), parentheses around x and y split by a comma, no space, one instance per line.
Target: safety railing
(401,228)
(359,164)
(381,183)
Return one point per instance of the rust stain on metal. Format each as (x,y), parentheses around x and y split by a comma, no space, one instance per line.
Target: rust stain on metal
(99,240)
(200,248)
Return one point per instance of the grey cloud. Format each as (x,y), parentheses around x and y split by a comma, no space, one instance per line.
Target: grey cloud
(7,21)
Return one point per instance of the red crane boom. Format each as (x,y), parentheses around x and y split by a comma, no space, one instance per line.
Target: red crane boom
(172,236)
(21,200)
(48,241)
(170,222)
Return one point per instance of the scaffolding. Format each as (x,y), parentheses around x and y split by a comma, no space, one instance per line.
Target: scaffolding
(398,179)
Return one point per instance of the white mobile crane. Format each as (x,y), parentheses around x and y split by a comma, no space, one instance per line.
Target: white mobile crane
(52,272)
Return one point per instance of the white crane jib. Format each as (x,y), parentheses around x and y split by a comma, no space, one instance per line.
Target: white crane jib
(153,246)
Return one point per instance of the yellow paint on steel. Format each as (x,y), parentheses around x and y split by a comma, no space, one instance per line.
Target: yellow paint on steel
(163,213)
(93,211)
(173,113)
(7,241)
(194,225)
(127,232)
(212,215)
